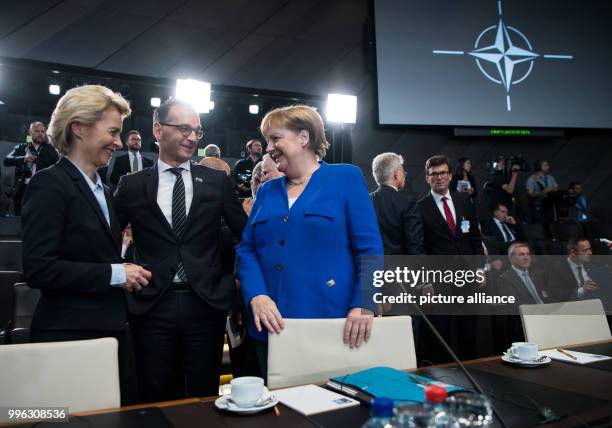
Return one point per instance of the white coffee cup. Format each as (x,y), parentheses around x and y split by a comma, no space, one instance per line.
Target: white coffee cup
(524,350)
(247,390)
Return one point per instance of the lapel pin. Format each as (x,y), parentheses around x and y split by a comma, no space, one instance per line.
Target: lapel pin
(331,283)
(198,179)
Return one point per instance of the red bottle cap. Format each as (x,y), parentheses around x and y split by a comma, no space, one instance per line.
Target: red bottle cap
(435,394)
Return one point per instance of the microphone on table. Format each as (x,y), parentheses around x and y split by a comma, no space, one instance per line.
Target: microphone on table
(454,356)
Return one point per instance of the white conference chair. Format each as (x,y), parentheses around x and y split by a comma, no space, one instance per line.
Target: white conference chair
(311,350)
(554,325)
(82,375)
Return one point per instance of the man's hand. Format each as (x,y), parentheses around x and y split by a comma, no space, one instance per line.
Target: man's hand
(589,285)
(265,312)
(358,327)
(510,220)
(136,277)
(29,159)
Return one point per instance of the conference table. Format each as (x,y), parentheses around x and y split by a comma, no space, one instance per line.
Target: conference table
(578,395)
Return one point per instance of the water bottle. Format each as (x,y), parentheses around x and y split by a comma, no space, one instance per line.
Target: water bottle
(381,412)
(435,402)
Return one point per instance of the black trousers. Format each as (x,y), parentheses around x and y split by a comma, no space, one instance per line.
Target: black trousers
(178,347)
(127,379)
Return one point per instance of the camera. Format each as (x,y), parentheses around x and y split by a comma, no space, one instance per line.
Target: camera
(244,177)
(507,165)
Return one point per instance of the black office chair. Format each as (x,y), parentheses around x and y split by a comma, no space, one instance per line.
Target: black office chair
(535,236)
(494,246)
(10,228)
(552,247)
(10,255)
(7,282)
(26,299)
(564,231)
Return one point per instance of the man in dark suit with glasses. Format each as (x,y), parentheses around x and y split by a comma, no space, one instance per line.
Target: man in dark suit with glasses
(175,209)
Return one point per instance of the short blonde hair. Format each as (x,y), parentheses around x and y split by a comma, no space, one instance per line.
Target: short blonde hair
(84,105)
(298,118)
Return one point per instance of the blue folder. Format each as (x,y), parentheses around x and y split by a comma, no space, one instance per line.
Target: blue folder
(391,383)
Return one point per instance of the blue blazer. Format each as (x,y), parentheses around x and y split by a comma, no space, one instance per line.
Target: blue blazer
(308,258)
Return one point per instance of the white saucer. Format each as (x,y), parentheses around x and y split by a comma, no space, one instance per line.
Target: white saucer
(223,403)
(526,363)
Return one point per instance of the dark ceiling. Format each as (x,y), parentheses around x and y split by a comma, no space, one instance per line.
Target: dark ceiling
(307,46)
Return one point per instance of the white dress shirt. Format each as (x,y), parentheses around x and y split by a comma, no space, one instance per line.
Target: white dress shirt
(131,155)
(504,230)
(529,285)
(440,204)
(574,267)
(166,186)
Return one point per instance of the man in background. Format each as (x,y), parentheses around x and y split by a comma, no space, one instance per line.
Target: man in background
(398,215)
(244,167)
(132,161)
(34,155)
(212,151)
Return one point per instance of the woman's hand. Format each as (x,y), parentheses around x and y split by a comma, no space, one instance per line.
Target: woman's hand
(136,277)
(358,327)
(265,312)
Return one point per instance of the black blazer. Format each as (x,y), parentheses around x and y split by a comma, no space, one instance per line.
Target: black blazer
(511,284)
(47,156)
(68,249)
(158,248)
(122,166)
(567,287)
(489,228)
(437,236)
(399,221)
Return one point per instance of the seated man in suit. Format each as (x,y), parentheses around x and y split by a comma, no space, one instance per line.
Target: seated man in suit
(577,279)
(399,219)
(131,162)
(527,284)
(502,226)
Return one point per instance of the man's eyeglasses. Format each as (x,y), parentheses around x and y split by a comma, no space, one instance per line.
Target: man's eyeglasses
(438,174)
(186,130)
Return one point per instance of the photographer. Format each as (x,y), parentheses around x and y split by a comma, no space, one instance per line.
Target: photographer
(501,184)
(28,158)
(539,187)
(243,170)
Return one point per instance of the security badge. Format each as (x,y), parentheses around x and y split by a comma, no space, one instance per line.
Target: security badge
(465,226)
(331,283)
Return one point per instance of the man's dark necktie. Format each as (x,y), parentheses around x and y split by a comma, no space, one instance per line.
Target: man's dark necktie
(506,232)
(135,164)
(179,214)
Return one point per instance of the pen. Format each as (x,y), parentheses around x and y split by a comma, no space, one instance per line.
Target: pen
(567,354)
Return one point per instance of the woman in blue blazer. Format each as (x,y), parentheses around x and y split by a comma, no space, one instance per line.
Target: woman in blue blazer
(300,255)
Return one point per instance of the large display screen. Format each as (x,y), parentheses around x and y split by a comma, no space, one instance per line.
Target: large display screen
(529,63)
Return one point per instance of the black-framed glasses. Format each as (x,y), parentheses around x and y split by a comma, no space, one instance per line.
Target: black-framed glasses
(438,174)
(186,130)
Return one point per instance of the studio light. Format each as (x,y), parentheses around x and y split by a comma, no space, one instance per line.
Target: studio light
(54,89)
(194,92)
(254,109)
(341,108)
(155,102)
